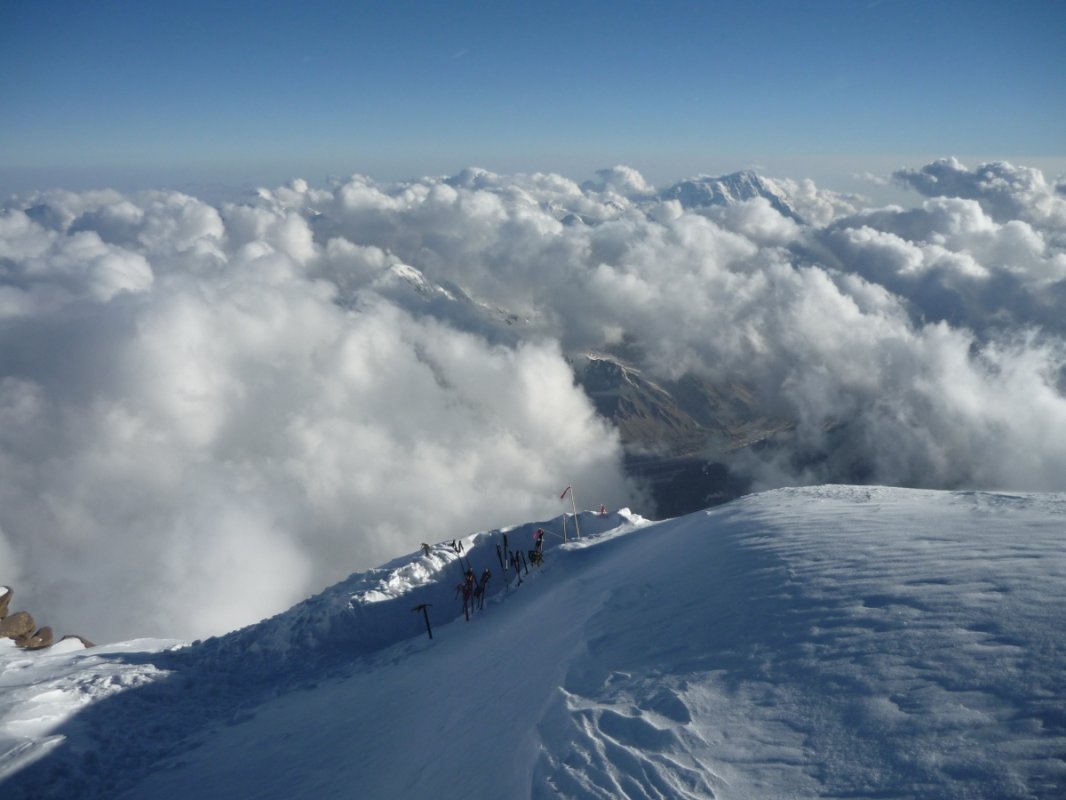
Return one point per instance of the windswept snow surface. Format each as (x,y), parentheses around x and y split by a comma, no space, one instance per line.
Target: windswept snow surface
(818,642)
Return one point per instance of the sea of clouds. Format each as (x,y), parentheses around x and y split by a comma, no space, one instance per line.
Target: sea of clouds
(208,412)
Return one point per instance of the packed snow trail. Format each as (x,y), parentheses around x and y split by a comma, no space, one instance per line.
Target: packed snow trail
(186,689)
(820,642)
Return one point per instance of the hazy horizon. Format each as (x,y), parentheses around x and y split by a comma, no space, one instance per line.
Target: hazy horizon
(138,96)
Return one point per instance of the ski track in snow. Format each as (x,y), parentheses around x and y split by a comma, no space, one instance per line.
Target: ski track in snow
(817,642)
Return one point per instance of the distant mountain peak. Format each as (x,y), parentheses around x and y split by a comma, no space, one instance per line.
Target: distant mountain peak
(702,191)
(404,275)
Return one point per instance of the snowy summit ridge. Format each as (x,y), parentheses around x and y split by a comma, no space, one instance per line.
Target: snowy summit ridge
(728,190)
(825,641)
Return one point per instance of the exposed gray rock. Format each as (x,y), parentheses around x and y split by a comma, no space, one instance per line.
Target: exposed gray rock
(16,625)
(21,627)
(40,640)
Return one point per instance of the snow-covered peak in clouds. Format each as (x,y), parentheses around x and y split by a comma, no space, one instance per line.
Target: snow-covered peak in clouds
(827,641)
(727,190)
(406,275)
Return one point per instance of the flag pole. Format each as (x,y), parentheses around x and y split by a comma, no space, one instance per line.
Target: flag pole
(577,527)
(561,497)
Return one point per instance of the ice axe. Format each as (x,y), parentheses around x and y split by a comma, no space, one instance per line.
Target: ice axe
(425,614)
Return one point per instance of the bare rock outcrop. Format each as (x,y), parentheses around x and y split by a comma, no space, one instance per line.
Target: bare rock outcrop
(21,627)
(17,625)
(40,640)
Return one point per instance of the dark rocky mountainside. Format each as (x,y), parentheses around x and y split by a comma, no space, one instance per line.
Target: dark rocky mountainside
(677,434)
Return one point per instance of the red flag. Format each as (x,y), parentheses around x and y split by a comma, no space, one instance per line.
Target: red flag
(567,489)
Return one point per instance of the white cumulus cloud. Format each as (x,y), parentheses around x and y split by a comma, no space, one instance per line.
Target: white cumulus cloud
(267,395)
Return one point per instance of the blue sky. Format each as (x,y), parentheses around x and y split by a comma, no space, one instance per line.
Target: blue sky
(142,92)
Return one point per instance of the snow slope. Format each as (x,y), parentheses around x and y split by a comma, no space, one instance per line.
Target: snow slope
(818,642)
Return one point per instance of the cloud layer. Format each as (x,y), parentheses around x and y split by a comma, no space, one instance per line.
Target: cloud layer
(207,413)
